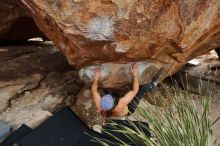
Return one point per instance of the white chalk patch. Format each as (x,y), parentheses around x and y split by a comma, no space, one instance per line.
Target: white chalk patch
(142,67)
(121,48)
(99,29)
(88,72)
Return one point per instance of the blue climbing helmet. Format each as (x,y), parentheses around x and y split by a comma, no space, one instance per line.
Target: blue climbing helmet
(107,102)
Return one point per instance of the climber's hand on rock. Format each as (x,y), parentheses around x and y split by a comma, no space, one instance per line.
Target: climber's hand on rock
(134,70)
(97,75)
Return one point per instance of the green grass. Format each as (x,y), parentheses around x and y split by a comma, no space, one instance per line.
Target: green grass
(176,124)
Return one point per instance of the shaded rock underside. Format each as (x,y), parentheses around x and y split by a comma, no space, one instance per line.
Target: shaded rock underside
(15,24)
(167,32)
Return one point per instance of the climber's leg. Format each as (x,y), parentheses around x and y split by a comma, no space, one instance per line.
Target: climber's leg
(142,90)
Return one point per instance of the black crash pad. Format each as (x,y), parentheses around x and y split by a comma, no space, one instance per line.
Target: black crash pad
(62,129)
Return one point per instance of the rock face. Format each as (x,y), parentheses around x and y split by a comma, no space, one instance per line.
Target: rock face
(115,76)
(32,86)
(167,32)
(84,107)
(200,72)
(15,24)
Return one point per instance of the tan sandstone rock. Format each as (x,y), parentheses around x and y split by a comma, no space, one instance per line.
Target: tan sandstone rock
(32,86)
(167,32)
(115,76)
(84,107)
(38,118)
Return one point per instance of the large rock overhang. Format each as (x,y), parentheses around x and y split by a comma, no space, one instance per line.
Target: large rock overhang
(122,31)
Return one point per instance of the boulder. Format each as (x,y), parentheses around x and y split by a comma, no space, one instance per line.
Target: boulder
(166,32)
(115,76)
(38,118)
(201,75)
(85,109)
(15,24)
(32,86)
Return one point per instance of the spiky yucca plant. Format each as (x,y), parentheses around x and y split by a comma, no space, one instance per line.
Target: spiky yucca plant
(177,124)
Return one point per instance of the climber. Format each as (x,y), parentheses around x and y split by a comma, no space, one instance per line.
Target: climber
(108,105)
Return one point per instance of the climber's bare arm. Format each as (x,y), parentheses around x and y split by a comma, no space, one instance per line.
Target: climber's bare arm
(131,94)
(94,89)
(124,101)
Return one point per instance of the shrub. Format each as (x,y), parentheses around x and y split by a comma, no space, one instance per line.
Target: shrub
(177,124)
